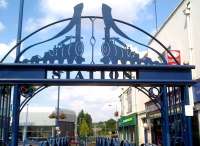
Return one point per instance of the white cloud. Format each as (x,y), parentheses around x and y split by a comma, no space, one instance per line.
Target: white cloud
(2,27)
(4,48)
(126,9)
(93,99)
(3,3)
(51,10)
(33,24)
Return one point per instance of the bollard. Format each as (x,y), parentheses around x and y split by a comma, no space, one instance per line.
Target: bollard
(108,142)
(122,143)
(62,141)
(57,141)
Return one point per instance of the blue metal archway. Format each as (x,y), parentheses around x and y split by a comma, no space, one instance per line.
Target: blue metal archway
(143,72)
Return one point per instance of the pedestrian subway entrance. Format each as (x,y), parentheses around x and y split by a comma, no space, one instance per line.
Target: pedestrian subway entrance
(82,58)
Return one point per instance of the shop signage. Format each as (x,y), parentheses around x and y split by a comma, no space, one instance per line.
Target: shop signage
(176,54)
(127,120)
(116,114)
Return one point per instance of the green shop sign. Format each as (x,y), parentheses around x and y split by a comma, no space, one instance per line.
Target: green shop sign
(127,120)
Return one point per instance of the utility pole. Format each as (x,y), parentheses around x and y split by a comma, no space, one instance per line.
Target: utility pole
(58,112)
(17,95)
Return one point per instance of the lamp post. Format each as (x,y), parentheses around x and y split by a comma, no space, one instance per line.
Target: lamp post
(58,112)
(57,74)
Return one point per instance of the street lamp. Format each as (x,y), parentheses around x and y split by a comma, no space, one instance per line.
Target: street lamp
(57,74)
(58,112)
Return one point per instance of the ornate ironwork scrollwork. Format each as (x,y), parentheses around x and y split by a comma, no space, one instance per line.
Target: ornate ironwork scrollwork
(71,51)
(155,92)
(115,53)
(114,49)
(27,90)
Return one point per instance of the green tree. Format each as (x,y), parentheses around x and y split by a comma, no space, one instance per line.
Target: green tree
(106,127)
(111,124)
(79,120)
(88,119)
(84,129)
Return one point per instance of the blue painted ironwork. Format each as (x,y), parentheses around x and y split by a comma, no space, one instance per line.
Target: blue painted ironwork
(154,98)
(71,51)
(165,117)
(152,74)
(105,141)
(15,115)
(30,96)
(59,141)
(188,119)
(115,53)
(123,54)
(5,100)
(113,79)
(92,40)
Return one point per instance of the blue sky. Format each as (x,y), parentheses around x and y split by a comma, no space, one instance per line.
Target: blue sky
(37,13)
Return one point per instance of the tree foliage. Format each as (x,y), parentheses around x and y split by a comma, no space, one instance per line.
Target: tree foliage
(106,127)
(84,128)
(88,119)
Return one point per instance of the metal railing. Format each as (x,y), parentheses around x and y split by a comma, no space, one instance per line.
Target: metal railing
(104,141)
(58,141)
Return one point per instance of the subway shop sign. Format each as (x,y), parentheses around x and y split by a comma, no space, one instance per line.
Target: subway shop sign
(128,120)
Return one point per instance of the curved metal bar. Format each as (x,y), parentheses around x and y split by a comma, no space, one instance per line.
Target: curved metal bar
(75,19)
(23,51)
(90,17)
(30,95)
(28,99)
(151,95)
(33,33)
(148,34)
(156,103)
(84,17)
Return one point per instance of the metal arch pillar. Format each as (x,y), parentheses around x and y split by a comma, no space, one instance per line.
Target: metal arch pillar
(187,119)
(165,117)
(15,115)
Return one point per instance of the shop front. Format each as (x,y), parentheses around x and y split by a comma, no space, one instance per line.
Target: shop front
(153,119)
(128,129)
(196,117)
